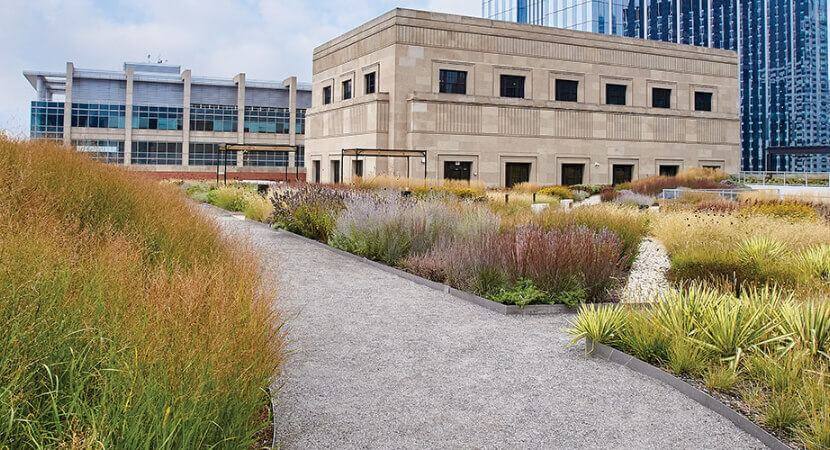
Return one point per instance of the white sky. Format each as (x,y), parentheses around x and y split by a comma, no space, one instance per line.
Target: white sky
(266,39)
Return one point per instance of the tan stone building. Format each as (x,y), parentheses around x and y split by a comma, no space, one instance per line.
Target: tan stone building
(504,103)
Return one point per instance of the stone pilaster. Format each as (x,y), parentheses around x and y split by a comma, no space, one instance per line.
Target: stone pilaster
(291,84)
(128,118)
(240,104)
(67,105)
(186,80)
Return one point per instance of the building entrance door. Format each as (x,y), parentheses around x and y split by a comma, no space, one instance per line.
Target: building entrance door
(622,173)
(335,171)
(572,174)
(458,170)
(515,173)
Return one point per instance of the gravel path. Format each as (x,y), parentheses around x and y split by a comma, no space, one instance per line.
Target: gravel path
(378,361)
(647,278)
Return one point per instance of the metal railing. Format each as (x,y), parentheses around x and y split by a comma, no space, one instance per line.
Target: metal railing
(731,194)
(817,179)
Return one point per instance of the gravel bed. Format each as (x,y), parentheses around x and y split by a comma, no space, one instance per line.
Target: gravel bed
(647,279)
(376,361)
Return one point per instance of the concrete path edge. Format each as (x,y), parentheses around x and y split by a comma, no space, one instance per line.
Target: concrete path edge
(602,351)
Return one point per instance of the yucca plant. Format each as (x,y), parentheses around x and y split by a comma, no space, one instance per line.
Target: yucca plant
(643,340)
(685,358)
(815,262)
(679,311)
(806,328)
(731,328)
(599,324)
(760,250)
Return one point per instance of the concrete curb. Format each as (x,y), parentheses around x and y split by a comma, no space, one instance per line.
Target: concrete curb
(611,354)
(508,310)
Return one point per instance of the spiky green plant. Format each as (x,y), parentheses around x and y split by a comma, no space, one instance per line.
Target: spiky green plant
(815,261)
(721,378)
(782,413)
(679,311)
(601,324)
(685,358)
(806,328)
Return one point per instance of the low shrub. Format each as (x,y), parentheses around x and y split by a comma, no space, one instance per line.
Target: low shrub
(579,195)
(592,189)
(258,208)
(310,210)
(522,293)
(783,210)
(425,187)
(562,192)
(608,194)
(630,198)
(231,198)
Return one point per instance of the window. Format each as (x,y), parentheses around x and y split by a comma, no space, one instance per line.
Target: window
(512,86)
(103,151)
(572,174)
(261,158)
(369,81)
(157,117)
(93,115)
(335,171)
(516,173)
(668,170)
(703,101)
(622,173)
(218,118)
(315,170)
(47,120)
(452,81)
(157,153)
(299,156)
(661,98)
(347,89)
(458,170)
(327,95)
(566,90)
(265,119)
(615,94)
(208,155)
(300,126)
(357,166)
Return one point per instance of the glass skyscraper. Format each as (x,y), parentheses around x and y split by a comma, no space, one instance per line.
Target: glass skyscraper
(783,45)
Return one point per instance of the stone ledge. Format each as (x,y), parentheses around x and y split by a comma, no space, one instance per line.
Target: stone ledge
(611,354)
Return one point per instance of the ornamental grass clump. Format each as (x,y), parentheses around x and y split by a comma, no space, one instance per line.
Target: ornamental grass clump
(309,210)
(763,347)
(572,265)
(129,321)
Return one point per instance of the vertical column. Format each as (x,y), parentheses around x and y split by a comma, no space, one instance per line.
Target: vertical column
(67,105)
(644,24)
(610,21)
(291,84)
(240,105)
(42,91)
(709,24)
(186,78)
(677,22)
(128,118)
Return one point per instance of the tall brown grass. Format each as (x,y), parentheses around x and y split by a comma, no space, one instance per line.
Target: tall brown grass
(128,320)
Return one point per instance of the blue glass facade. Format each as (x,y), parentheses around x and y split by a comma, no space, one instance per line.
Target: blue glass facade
(157,117)
(219,118)
(94,115)
(46,120)
(783,49)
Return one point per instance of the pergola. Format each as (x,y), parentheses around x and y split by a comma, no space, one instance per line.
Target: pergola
(384,153)
(224,149)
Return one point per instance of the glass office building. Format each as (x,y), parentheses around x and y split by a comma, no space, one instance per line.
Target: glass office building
(783,45)
(158,118)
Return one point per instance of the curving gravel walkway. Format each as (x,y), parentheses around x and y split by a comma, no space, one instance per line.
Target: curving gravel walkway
(378,361)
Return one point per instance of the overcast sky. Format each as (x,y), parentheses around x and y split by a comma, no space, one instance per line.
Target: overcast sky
(266,39)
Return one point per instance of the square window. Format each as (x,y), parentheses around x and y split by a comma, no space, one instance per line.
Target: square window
(512,86)
(327,95)
(703,101)
(347,89)
(615,94)
(452,81)
(566,90)
(369,81)
(661,98)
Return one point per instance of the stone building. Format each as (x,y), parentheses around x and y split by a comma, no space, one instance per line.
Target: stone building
(504,103)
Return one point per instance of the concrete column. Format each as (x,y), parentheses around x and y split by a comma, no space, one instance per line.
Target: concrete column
(291,84)
(644,25)
(128,118)
(42,91)
(677,22)
(240,104)
(186,78)
(67,105)
(709,23)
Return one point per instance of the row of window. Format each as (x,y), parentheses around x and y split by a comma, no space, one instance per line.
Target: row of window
(513,86)
(46,120)
(369,87)
(170,153)
(93,115)
(157,117)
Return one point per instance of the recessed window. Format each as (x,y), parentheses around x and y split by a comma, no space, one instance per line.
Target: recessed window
(369,81)
(347,89)
(452,81)
(615,94)
(327,95)
(512,86)
(566,90)
(703,101)
(661,98)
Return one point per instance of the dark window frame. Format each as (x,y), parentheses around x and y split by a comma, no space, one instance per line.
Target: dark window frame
(326,95)
(346,86)
(663,100)
(370,83)
(703,101)
(452,85)
(566,90)
(616,98)
(512,86)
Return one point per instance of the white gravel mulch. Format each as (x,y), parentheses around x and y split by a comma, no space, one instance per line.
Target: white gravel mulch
(647,279)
